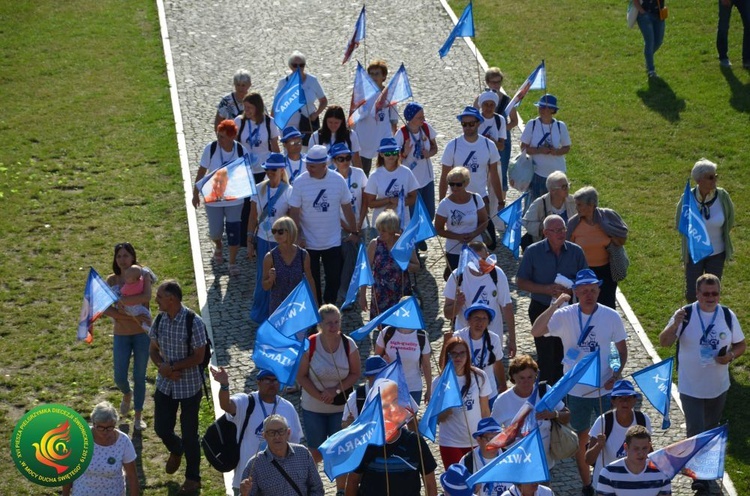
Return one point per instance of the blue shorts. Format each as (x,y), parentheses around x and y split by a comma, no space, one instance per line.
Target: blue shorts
(584,411)
(319,426)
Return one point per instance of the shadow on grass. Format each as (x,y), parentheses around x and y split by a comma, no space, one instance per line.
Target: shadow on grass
(740,99)
(660,98)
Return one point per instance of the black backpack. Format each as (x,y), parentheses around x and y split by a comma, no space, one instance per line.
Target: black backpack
(688,312)
(220,443)
(242,128)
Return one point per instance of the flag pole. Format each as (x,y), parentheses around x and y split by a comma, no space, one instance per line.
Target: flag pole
(479,67)
(385,464)
(364,40)
(601,409)
(419,444)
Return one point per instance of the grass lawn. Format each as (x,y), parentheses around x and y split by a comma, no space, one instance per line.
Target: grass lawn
(636,140)
(88,158)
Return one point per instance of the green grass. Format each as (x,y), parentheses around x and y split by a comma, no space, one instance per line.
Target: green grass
(88,158)
(636,141)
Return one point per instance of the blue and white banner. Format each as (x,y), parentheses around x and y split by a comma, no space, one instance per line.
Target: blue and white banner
(656,383)
(693,227)
(289,100)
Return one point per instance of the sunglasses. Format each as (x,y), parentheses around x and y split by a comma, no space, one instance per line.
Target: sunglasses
(295,66)
(294,143)
(710,293)
(455,185)
(278,231)
(469,124)
(343,158)
(390,154)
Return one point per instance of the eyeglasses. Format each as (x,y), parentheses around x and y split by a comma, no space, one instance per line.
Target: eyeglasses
(343,158)
(278,231)
(495,81)
(104,428)
(469,124)
(294,143)
(294,66)
(456,354)
(562,186)
(455,185)
(391,154)
(559,230)
(710,293)
(275,432)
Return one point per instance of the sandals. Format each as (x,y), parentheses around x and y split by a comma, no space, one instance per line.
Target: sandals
(234,270)
(218,256)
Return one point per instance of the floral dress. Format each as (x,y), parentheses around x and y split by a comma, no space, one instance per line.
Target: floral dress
(391,283)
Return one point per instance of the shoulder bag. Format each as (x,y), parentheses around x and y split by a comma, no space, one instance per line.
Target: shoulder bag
(563,440)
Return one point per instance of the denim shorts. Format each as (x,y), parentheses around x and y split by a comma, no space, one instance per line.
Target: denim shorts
(319,426)
(584,411)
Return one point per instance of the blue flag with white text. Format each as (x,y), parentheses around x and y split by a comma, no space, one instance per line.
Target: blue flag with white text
(278,353)
(463,28)
(357,36)
(97,297)
(523,463)
(343,451)
(232,181)
(656,383)
(693,227)
(511,215)
(587,372)
(419,229)
(297,312)
(698,457)
(446,394)
(288,100)
(405,314)
(362,276)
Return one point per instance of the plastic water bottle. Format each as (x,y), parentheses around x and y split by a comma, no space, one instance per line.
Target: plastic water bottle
(614,357)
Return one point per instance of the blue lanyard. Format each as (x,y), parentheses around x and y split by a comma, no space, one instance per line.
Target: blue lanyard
(417,140)
(253,134)
(349,185)
(707,330)
(293,174)
(585,330)
(263,407)
(481,357)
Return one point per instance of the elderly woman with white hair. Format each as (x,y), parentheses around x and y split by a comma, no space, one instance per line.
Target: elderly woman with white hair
(556,201)
(717,210)
(230,105)
(307,119)
(594,229)
(112,466)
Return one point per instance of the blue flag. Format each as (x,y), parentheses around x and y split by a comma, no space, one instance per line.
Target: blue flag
(232,181)
(511,215)
(464,27)
(537,80)
(587,371)
(288,100)
(362,276)
(364,95)
(398,90)
(297,312)
(419,229)
(693,227)
(446,394)
(405,314)
(278,353)
(97,297)
(698,457)
(395,372)
(656,383)
(467,256)
(357,36)
(523,463)
(342,452)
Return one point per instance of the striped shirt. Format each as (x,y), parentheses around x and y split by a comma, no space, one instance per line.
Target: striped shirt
(616,480)
(171,336)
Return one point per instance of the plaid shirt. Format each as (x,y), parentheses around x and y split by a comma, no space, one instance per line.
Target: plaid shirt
(298,463)
(172,340)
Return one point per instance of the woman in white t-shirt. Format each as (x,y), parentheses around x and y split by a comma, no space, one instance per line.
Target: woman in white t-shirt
(454,433)
(413,346)
(334,130)
(388,182)
(461,216)
(270,204)
(257,133)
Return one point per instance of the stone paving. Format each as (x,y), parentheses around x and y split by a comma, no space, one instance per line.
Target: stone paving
(210,40)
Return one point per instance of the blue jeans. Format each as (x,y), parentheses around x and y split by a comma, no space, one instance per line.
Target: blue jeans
(320,426)
(702,414)
(722,31)
(165,420)
(261,297)
(652,29)
(123,347)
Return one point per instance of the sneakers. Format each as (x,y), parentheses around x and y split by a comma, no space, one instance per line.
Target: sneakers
(725,63)
(701,488)
(189,487)
(125,404)
(652,74)
(173,463)
(588,490)
(139,425)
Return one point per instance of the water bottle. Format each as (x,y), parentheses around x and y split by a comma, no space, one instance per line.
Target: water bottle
(614,357)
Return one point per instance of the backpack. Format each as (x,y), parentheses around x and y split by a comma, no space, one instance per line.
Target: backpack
(206,355)
(220,443)
(215,144)
(533,126)
(688,311)
(407,135)
(266,119)
(389,331)
(313,341)
(609,421)
(361,397)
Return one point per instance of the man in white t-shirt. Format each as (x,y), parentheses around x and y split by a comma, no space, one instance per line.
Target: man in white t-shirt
(313,92)
(585,328)
(479,155)
(314,206)
(260,404)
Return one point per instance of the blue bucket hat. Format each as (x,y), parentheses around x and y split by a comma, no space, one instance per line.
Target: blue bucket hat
(374,365)
(411,110)
(470,112)
(274,161)
(453,480)
(548,101)
(624,387)
(289,133)
(317,154)
(388,145)
(339,149)
(479,306)
(487,426)
(586,276)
